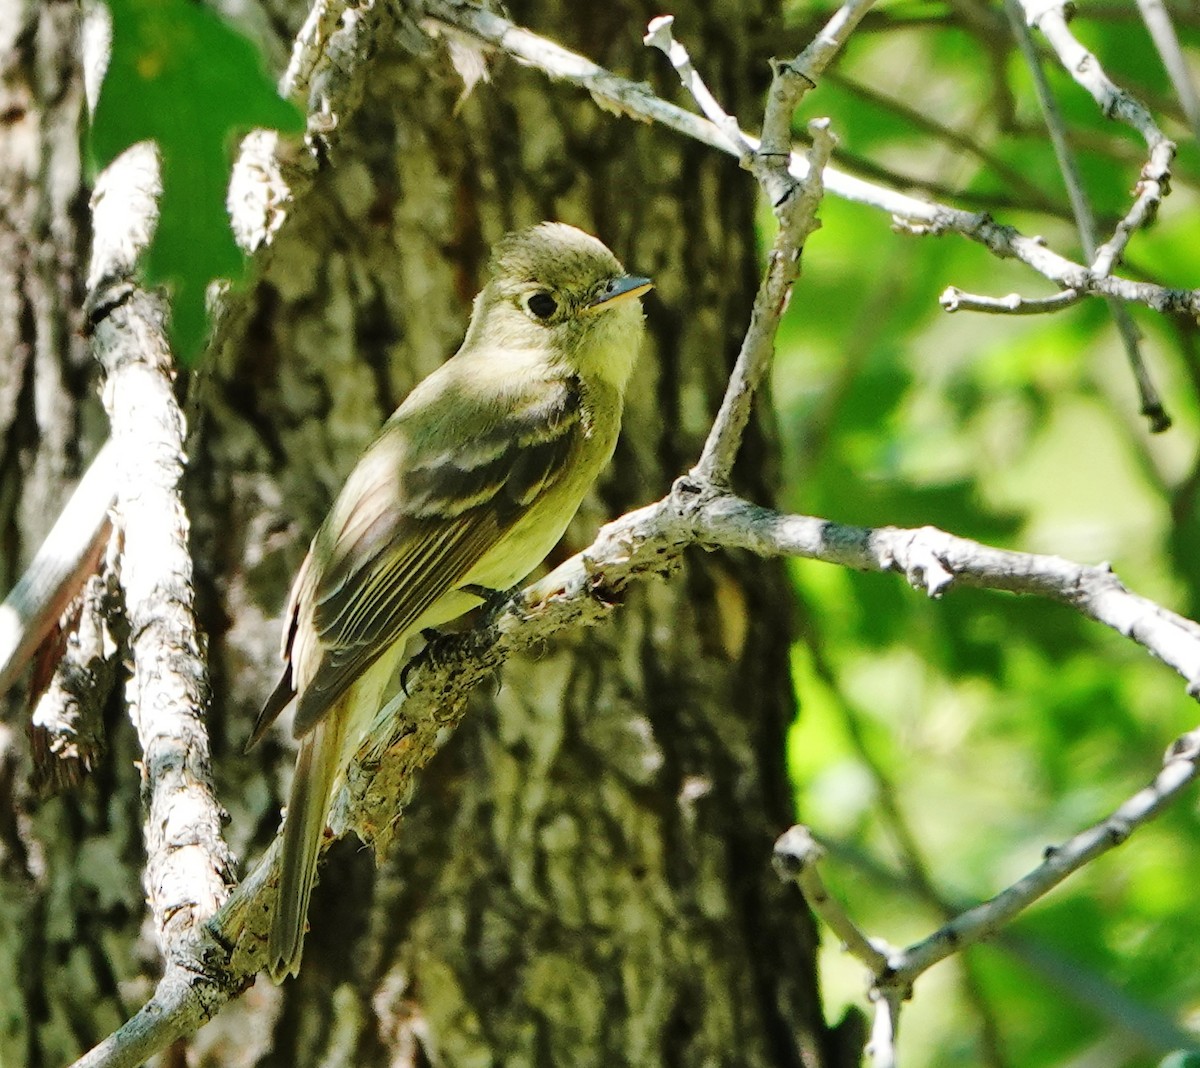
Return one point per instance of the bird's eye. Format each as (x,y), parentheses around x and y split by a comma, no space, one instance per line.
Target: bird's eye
(542,305)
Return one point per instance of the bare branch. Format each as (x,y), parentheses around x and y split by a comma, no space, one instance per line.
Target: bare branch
(885,1029)
(954,299)
(1180,768)
(795,205)
(811,63)
(797,856)
(909,214)
(798,217)
(934,561)
(1049,17)
(658,35)
(1085,221)
(894,972)
(189,868)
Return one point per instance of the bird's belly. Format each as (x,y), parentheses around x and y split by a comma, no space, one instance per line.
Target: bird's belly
(526,546)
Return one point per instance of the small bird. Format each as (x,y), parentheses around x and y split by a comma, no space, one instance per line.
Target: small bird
(467,487)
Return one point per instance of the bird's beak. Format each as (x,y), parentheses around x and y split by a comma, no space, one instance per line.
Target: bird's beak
(626,287)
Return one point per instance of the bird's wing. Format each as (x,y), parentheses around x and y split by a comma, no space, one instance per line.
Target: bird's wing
(405,533)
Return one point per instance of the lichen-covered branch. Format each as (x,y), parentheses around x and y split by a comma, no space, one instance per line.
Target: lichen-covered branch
(189,869)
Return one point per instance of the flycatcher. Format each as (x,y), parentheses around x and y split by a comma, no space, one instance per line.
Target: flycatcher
(468,486)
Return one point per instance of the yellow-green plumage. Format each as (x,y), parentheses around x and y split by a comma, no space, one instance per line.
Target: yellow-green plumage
(470,483)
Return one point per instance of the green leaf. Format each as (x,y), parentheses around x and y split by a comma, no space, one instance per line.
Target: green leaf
(181,77)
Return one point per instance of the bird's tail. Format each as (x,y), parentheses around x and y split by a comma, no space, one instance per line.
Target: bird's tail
(317,766)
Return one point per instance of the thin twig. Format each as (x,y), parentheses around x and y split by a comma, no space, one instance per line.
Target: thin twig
(1049,17)
(795,205)
(1162,32)
(658,35)
(954,299)
(1085,220)
(895,971)
(798,218)
(1180,767)
(916,868)
(885,1029)
(797,856)
(810,64)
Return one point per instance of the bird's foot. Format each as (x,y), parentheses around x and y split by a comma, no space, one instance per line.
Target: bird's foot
(494,601)
(433,655)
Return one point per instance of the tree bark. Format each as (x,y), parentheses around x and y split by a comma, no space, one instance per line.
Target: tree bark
(70,897)
(583,876)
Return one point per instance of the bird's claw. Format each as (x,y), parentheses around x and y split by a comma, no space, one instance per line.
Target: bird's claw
(433,655)
(494,601)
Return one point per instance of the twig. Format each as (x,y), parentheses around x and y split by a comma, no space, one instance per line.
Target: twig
(1180,768)
(1048,17)
(934,561)
(1152,1029)
(658,35)
(797,856)
(916,868)
(791,82)
(894,972)
(798,219)
(795,205)
(1085,220)
(885,1029)
(189,868)
(1162,32)
(811,63)
(954,299)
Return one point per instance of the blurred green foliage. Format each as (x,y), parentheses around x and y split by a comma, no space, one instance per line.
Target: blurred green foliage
(943,745)
(181,77)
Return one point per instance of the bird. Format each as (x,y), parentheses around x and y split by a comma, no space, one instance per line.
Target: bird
(467,487)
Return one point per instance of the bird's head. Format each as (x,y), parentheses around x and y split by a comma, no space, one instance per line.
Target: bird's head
(554,288)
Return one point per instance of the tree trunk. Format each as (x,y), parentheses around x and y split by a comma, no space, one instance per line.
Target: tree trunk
(70,896)
(583,876)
